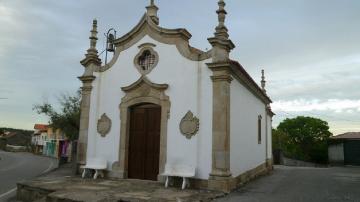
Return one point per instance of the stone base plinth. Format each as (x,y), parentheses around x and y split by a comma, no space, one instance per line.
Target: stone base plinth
(224,184)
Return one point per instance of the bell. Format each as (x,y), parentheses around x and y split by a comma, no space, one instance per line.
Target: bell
(110,43)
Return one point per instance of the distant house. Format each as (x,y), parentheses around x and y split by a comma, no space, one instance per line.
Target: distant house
(55,134)
(50,142)
(39,137)
(344,149)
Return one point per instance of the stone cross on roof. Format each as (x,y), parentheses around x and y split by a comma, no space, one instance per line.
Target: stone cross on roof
(152,11)
(263,82)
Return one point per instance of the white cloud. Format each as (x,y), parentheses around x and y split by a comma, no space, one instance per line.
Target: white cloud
(341,114)
(302,105)
(6,13)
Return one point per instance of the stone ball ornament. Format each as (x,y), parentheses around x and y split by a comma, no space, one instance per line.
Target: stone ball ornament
(189,125)
(104,125)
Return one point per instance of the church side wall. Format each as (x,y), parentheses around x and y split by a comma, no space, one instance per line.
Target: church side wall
(245,152)
(190,88)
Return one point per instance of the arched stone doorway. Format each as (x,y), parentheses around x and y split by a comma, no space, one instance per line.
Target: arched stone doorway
(142,92)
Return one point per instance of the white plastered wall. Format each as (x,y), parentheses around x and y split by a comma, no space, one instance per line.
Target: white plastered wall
(190,88)
(245,152)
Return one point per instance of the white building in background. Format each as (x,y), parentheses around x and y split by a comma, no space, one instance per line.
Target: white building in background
(39,137)
(160,101)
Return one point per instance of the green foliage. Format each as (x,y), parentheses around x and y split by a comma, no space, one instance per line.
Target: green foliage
(303,138)
(279,139)
(17,137)
(68,118)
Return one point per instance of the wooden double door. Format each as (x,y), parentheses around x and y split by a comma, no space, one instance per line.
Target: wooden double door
(144,142)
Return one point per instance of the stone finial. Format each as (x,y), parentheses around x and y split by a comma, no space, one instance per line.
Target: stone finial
(221,43)
(93,38)
(263,82)
(152,10)
(92,53)
(221,29)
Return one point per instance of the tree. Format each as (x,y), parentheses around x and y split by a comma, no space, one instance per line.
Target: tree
(67,119)
(305,138)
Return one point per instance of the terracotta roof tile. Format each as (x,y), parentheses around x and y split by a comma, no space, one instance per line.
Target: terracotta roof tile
(42,127)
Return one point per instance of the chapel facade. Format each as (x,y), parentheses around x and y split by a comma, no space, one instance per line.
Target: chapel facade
(160,101)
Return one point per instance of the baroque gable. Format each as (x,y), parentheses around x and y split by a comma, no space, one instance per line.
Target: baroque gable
(147,26)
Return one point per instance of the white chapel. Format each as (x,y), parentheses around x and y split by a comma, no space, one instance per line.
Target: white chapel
(159,101)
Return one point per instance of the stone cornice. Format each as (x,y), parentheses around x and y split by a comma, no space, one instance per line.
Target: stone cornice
(218,78)
(86,79)
(90,59)
(144,79)
(220,66)
(227,44)
(86,89)
(269,111)
(238,72)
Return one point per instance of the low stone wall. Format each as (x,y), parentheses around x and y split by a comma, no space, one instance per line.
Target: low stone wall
(27,193)
(228,185)
(292,162)
(246,177)
(12,148)
(3,143)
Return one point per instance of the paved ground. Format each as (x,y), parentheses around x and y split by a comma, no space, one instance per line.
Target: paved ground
(70,188)
(16,167)
(291,184)
(286,184)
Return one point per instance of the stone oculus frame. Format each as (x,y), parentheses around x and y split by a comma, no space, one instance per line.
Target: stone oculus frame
(140,92)
(146,47)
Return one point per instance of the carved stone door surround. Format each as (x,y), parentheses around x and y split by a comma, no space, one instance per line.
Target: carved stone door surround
(142,91)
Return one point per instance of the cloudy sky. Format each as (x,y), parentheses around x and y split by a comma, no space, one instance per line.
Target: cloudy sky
(310,50)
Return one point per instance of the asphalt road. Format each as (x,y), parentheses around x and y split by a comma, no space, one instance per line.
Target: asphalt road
(291,184)
(15,167)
